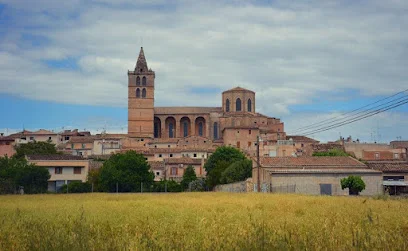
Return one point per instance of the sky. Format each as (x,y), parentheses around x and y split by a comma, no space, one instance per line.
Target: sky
(63,64)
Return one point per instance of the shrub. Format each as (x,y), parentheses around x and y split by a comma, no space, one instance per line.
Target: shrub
(354,183)
(77,187)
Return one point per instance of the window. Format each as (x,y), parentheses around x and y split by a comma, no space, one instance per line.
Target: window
(31,138)
(249,105)
(185,129)
(202,156)
(157,173)
(302,145)
(171,131)
(58,170)
(173,171)
(399,178)
(227,105)
(144,81)
(77,170)
(249,143)
(72,146)
(250,132)
(238,105)
(200,129)
(83,146)
(238,144)
(66,137)
(143,93)
(377,155)
(160,155)
(195,155)
(168,146)
(138,81)
(215,130)
(137,93)
(171,155)
(49,138)
(396,156)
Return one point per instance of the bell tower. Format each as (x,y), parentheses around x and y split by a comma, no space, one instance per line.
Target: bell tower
(141,99)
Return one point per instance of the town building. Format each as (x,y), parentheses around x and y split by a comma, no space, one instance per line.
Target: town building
(41,135)
(6,146)
(62,168)
(234,123)
(313,175)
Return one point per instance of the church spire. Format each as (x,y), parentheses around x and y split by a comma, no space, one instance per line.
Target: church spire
(141,64)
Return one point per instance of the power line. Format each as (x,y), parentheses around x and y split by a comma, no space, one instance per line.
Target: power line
(372,113)
(303,128)
(350,117)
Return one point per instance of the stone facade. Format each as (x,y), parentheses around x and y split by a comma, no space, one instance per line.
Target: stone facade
(314,175)
(235,123)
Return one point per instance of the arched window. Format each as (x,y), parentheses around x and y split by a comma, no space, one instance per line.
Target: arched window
(185,129)
(138,80)
(200,129)
(238,105)
(215,130)
(171,130)
(249,105)
(137,93)
(143,93)
(227,105)
(144,81)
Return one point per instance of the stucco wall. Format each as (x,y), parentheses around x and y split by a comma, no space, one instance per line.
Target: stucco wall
(310,183)
(237,187)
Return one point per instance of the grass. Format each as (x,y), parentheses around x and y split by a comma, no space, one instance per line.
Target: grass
(201,221)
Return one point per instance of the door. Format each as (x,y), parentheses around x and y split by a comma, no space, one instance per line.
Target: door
(326,189)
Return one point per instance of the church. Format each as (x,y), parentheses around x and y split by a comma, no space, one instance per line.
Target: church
(170,133)
(235,122)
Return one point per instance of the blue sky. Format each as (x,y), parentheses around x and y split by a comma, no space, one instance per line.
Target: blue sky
(63,64)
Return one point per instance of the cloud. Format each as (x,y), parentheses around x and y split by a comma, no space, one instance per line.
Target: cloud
(290,53)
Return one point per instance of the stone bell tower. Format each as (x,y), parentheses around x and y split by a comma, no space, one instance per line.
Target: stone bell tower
(141,99)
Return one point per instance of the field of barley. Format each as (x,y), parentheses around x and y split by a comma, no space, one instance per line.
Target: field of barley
(201,221)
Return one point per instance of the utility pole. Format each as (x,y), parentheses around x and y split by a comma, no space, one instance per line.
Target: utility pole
(257,163)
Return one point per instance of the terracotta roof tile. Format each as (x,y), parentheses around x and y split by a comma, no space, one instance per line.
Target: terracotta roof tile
(54,157)
(184,160)
(240,89)
(311,162)
(157,165)
(388,166)
(300,138)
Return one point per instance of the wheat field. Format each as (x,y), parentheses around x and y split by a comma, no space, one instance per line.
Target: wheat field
(201,221)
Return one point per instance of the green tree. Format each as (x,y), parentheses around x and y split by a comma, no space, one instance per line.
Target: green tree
(77,187)
(16,172)
(33,148)
(93,178)
(237,171)
(354,183)
(331,153)
(199,185)
(129,170)
(170,186)
(188,176)
(219,161)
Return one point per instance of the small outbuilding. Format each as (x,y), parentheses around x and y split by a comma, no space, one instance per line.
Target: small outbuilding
(313,175)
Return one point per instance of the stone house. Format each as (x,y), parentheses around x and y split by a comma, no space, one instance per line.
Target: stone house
(62,168)
(313,175)
(394,175)
(6,146)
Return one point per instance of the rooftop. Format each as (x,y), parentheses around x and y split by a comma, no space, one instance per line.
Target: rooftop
(311,162)
(54,157)
(389,166)
(239,89)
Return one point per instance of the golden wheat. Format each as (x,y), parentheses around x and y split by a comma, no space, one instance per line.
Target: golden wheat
(201,221)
